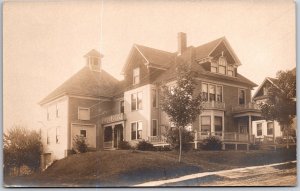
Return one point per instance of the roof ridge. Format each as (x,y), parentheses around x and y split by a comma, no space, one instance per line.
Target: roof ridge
(139,45)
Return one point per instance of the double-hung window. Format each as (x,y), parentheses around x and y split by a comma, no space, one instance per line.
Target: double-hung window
(205,123)
(136,101)
(136,130)
(259,129)
(242,97)
(154,98)
(222,65)
(270,128)
(214,67)
(212,93)
(136,76)
(230,71)
(204,92)
(218,124)
(219,93)
(83,133)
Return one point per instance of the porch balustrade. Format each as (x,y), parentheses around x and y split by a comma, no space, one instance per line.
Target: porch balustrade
(200,135)
(224,136)
(249,106)
(113,118)
(214,105)
(153,139)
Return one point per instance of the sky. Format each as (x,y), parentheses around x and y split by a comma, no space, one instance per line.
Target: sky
(44,41)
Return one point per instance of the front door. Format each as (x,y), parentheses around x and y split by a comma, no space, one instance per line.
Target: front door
(118,135)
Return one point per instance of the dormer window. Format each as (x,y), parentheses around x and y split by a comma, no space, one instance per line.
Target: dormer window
(214,67)
(136,76)
(230,70)
(222,65)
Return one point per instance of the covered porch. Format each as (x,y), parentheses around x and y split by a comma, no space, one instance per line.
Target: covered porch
(113,131)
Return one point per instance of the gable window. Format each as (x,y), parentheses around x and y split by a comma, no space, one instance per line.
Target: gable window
(242,97)
(83,133)
(57,135)
(154,127)
(204,92)
(83,113)
(222,65)
(154,98)
(230,70)
(212,93)
(218,124)
(136,76)
(122,106)
(259,129)
(214,67)
(136,130)
(270,128)
(205,123)
(219,93)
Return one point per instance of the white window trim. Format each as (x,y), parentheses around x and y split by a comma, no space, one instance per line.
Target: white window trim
(136,104)
(79,108)
(139,74)
(136,130)
(156,121)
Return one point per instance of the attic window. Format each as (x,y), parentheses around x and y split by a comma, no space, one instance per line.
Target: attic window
(230,71)
(222,65)
(136,76)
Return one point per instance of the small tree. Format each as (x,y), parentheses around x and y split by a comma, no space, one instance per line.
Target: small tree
(180,102)
(22,147)
(281,104)
(80,144)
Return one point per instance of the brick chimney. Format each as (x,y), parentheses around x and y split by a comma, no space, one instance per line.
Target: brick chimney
(181,43)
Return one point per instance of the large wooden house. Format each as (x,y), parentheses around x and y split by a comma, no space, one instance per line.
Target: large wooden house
(95,105)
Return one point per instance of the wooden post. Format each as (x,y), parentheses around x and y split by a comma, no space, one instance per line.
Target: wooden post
(249,128)
(113,136)
(235,146)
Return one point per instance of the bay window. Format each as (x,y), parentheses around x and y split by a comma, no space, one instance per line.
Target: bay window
(212,93)
(204,92)
(219,93)
(218,124)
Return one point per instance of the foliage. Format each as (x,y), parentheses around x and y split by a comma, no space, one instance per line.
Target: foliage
(211,143)
(281,104)
(145,146)
(80,144)
(22,147)
(124,145)
(172,135)
(165,148)
(180,102)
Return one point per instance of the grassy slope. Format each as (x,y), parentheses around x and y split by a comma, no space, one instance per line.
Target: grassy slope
(124,168)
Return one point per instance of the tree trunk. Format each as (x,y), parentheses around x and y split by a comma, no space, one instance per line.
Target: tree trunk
(288,137)
(180,145)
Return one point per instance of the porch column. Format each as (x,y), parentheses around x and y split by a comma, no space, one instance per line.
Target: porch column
(274,133)
(113,136)
(249,129)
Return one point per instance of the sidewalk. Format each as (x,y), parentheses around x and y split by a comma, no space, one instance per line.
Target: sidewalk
(233,173)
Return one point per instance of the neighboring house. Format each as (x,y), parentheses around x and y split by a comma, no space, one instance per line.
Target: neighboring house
(95,105)
(264,130)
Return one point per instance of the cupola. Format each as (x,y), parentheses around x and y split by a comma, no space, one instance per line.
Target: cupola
(93,60)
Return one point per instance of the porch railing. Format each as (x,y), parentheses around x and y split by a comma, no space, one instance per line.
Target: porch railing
(249,106)
(113,118)
(214,105)
(154,139)
(200,135)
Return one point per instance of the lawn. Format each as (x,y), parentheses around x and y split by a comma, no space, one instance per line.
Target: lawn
(126,168)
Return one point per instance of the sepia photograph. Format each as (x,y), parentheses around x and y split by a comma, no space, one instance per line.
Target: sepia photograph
(111,93)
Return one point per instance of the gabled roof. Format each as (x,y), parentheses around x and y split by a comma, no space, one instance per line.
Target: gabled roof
(205,50)
(86,83)
(267,79)
(153,57)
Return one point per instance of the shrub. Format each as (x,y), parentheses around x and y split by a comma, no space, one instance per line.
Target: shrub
(80,144)
(172,136)
(124,145)
(211,143)
(145,146)
(22,147)
(165,148)
(254,146)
